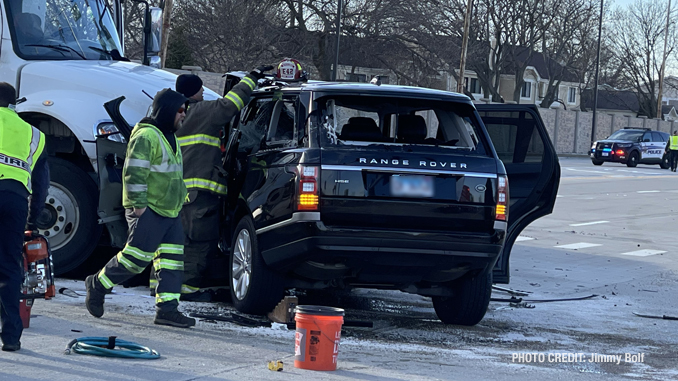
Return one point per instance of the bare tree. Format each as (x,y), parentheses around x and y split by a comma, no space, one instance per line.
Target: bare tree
(566,44)
(637,35)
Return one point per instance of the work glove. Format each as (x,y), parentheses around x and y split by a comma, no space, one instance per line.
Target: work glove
(258,73)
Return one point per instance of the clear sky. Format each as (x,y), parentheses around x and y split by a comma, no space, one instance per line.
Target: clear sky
(622,3)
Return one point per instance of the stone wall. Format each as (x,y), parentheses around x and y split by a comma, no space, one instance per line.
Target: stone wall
(570,131)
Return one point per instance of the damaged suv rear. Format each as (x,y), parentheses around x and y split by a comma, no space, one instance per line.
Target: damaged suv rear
(390,187)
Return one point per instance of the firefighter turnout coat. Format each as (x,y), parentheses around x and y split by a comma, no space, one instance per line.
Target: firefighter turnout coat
(199,137)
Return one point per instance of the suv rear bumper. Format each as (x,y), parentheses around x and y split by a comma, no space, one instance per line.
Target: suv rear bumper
(367,253)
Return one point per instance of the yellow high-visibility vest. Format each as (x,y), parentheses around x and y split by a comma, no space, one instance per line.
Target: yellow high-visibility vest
(20,147)
(674,143)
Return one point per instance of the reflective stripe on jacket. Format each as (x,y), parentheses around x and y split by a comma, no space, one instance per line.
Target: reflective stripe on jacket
(153,174)
(20,147)
(200,133)
(674,143)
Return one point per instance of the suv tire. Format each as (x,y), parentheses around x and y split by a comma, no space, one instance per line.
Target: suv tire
(666,162)
(255,289)
(469,302)
(633,159)
(597,162)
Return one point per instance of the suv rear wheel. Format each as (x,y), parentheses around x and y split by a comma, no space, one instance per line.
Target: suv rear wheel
(666,161)
(469,302)
(597,162)
(255,289)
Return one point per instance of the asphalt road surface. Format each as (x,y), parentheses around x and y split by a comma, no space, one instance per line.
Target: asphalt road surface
(613,234)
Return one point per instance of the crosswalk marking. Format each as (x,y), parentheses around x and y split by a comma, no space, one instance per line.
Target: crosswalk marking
(579,245)
(644,253)
(590,223)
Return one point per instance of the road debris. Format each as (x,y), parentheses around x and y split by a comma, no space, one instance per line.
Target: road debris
(276,366)
(664,317)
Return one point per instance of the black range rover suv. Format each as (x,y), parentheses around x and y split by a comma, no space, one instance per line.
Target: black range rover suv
(390,187)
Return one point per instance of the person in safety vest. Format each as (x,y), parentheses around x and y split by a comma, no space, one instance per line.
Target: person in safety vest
(200,141)
(153,194)
(23,172)
(672,149)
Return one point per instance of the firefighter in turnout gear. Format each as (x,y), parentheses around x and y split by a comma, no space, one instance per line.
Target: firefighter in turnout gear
(153,194)
(200,141)
(23,172)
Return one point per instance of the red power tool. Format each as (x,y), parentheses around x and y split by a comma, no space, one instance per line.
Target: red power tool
(38,274)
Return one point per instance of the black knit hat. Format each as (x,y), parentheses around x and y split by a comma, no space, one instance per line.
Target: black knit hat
(188,84)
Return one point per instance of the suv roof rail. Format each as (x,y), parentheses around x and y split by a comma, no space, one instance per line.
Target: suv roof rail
(638,128)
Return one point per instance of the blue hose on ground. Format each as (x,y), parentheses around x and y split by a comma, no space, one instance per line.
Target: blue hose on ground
(110,347)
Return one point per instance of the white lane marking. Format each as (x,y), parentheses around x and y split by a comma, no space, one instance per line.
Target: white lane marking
(590,223)
(643,253)
(652,191)
(581,170)
(523,238)
(580,245)
(559,196)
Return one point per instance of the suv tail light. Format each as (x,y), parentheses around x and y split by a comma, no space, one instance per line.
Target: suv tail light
(501,210)
(308,178)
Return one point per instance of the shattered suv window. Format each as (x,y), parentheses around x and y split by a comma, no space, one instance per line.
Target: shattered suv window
(365,120)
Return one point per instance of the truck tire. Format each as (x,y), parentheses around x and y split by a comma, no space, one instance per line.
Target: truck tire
(69,219)
(469,303)
(255,289)
(597,162)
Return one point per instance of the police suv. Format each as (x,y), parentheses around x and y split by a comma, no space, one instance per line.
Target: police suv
(632,146)
(391,187)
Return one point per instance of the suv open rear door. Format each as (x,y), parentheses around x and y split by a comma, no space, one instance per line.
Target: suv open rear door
(523,145)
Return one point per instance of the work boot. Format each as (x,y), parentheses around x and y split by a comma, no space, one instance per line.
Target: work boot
(174,319)
(95,297)
(11,347)
(200,296)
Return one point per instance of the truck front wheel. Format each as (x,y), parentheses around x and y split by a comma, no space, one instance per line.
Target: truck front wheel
(69,219)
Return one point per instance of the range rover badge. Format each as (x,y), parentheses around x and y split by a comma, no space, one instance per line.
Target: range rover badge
(480,188)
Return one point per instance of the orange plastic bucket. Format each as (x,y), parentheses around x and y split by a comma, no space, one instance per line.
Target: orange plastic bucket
(316,342)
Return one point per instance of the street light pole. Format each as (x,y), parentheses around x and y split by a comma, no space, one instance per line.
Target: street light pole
(336,54)
(595,91)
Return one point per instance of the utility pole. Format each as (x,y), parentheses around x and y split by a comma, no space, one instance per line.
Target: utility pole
(661,71)
(336,55)
(166,17)
(464,45)
(595,90)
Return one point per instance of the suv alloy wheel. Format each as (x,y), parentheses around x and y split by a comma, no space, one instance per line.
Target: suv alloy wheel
(255,289)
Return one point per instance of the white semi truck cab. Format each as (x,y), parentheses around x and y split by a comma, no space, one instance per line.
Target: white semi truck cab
(66,57)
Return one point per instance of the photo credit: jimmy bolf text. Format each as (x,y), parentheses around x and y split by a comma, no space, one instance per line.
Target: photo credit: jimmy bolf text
(574,357)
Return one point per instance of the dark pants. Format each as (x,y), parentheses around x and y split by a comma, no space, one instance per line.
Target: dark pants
(151,238)
(673,159)
(13,214)
(200,217)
